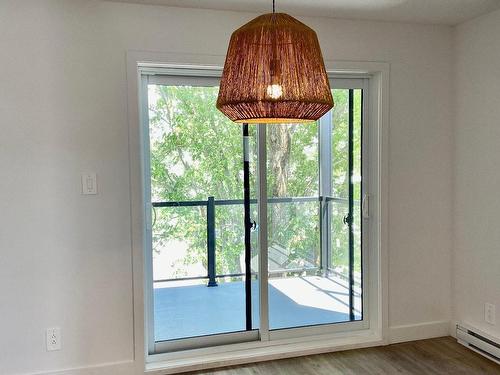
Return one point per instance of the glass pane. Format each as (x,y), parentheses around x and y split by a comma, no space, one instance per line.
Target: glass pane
(356,180)
(230,245)
(294,239)
(255,253)
(341,247)
(339,259)
(299,293)
(293,208)
(292,160)
(177,252)
(197,153)
(230,253)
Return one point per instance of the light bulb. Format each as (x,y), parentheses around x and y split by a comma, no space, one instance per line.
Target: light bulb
(274,91)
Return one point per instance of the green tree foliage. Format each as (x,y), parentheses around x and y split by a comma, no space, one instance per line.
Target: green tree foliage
(196,152)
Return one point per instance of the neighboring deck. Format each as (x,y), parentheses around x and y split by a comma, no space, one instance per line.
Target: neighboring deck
(197,310)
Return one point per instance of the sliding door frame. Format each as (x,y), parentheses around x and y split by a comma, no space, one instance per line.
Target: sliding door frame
(325,192)
(201,77)
(375,274)
(210,77)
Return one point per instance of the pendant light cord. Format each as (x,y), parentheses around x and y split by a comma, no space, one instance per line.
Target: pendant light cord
(274,6)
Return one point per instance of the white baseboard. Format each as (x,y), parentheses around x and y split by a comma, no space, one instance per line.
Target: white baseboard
(420,331)
(396,334)
(115,368)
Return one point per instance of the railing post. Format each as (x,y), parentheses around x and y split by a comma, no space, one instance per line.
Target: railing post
(211,241)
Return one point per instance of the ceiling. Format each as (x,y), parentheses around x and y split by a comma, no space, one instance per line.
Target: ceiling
(447,12)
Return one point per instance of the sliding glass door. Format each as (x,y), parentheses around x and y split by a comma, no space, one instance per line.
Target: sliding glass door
(347,190)
(294,226)
(196,212)
(314,217)
(193,158)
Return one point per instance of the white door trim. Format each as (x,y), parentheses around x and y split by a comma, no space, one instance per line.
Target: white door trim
(378,74)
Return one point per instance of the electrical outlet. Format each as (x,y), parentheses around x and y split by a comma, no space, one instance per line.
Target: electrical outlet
(489,313)
(53,338)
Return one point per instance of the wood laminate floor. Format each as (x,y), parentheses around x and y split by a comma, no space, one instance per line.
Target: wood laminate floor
(435,356)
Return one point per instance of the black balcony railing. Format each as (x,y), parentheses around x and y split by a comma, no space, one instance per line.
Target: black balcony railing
(210,205)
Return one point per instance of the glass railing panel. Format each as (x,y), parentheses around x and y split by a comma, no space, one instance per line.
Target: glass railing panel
(293,237)
(179,243)
(339,258)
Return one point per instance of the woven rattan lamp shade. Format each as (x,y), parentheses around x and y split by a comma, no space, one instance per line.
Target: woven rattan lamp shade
(274,72)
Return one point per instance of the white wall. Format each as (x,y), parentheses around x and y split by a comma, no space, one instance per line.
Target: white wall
(477,164)
(66,258)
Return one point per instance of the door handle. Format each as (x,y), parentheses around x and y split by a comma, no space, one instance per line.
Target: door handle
(253,225)
(347,219)
(365,206)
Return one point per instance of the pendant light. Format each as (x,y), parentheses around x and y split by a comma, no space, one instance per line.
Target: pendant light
(274,73)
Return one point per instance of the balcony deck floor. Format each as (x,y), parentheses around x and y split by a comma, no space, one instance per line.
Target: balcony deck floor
(198,310)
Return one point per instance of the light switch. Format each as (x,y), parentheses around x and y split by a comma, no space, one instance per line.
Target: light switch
(89,183)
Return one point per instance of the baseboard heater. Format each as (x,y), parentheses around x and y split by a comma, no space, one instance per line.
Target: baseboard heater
(478,341)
